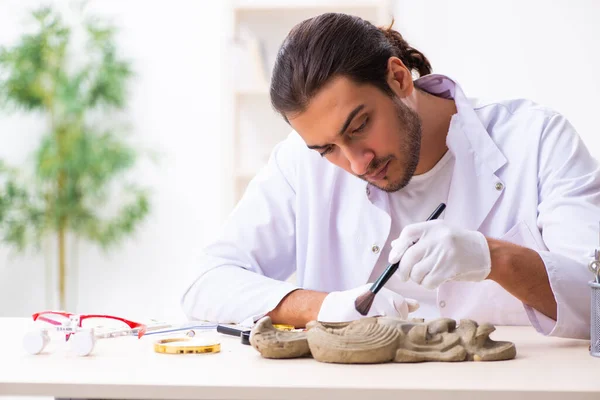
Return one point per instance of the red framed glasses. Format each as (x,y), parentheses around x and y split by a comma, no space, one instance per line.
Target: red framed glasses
(69,322)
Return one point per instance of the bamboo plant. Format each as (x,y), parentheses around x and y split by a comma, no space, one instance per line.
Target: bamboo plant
(79,169)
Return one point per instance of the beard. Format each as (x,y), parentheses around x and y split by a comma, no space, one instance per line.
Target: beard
(410,148)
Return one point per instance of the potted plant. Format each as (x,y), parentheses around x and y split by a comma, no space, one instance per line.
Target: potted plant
(77,185)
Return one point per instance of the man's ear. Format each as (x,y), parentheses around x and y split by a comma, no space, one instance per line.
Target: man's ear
(399,78)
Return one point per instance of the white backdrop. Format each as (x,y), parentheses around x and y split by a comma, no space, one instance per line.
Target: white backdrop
(545,51)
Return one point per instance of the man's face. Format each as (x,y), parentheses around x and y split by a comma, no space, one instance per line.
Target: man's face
(364,131)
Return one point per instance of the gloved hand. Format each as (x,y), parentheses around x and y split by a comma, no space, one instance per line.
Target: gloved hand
(441,253)
(339,306)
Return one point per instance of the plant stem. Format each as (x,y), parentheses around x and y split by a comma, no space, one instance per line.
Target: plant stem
(61,268)
(62,225)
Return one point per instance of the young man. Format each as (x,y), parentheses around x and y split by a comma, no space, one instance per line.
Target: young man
(372,154)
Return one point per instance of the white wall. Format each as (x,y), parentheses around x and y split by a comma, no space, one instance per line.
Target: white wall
(546,51)
(175,108)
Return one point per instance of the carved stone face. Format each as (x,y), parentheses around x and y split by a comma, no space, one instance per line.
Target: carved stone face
(383,339)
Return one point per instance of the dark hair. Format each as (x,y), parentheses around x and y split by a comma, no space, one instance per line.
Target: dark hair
(331,45)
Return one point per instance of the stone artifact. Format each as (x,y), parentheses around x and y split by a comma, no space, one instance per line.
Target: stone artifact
(382,339)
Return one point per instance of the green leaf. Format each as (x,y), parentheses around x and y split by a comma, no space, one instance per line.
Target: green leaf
(32,65)
(80,166)
(20,215)
(107,86)
(110,231)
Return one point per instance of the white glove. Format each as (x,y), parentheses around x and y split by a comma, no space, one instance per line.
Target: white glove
(441,253)
(339,306)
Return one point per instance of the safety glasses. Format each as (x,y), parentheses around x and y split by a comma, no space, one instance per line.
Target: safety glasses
(85,329)
(69,322)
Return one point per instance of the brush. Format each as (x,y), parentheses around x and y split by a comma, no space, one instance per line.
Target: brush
(364,301)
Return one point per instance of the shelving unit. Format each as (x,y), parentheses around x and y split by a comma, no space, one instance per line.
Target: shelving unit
(259,28)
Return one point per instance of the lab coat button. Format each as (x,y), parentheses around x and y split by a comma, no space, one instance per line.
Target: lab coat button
(442,304)
(499,186)
(368,191)
(375,249)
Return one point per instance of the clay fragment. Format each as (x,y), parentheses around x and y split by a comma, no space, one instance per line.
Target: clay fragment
(383,339)
(273,343)
(354,343)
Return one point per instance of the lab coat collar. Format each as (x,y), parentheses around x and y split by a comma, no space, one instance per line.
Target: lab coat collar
(474,133)
(477,158)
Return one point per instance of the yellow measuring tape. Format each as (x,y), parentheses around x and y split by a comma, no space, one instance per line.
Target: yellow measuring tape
(186,346)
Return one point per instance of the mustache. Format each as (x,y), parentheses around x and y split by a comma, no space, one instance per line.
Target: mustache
(376,166)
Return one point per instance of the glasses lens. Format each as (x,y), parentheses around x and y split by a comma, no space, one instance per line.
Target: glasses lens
(103,323)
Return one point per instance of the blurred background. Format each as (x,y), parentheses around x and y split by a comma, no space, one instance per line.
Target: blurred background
(196,116)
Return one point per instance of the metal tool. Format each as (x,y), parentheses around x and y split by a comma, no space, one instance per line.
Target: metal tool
(242,332)
(594,265)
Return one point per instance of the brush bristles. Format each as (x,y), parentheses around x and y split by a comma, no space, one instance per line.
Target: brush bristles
(363,302)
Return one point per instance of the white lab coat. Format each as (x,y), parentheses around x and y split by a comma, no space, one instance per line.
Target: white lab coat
(522,174)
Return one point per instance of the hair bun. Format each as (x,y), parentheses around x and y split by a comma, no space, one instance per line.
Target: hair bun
(412,58)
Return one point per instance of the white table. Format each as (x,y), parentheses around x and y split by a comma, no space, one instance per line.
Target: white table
(545,368)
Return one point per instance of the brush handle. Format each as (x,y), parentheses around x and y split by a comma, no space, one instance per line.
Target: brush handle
(382,280)
(391,269)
